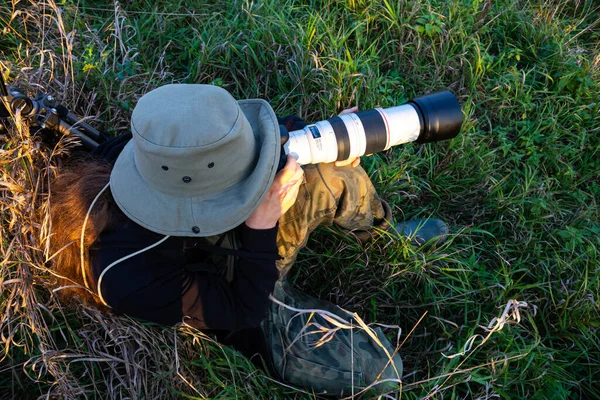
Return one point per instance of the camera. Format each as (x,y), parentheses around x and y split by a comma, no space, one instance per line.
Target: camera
(429,118)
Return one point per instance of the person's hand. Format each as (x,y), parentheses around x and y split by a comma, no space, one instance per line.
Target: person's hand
(355,162)
(280,197)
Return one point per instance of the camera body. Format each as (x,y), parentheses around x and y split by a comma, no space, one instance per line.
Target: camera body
(424,119)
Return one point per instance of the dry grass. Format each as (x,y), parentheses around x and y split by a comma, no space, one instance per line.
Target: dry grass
(66,352)
(53,350)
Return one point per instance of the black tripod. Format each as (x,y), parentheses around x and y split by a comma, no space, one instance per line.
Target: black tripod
(44,112)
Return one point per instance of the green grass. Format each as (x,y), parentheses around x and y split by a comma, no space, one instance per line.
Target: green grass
(519,186)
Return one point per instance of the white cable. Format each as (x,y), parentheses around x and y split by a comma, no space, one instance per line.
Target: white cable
(81,248)
(123,259)
(81,252)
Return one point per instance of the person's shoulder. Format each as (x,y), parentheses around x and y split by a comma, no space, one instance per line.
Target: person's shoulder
(124,232)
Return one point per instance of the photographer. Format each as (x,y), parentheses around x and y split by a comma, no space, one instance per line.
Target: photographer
(190,221)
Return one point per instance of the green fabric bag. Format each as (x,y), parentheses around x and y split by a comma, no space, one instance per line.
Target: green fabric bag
(312,351)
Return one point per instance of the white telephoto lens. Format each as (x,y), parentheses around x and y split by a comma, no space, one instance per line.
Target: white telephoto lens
(353,135)
(425,119)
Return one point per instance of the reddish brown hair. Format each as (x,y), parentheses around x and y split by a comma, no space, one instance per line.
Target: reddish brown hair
(71,194)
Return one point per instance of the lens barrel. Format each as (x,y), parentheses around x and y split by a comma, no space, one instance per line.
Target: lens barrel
(440,115)
(424,119)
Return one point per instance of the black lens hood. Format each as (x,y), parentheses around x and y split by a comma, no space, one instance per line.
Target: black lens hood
(440,115)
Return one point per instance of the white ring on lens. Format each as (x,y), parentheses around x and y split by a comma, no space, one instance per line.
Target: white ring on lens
(387,127)
(324,149)
(356,134)
(405,125)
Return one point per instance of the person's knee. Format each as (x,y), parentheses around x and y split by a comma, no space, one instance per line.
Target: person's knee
(334,179)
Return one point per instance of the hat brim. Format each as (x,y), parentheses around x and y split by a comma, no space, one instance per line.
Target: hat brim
(201,215)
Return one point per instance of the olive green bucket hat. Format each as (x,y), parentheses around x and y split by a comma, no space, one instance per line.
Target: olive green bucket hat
(200,162)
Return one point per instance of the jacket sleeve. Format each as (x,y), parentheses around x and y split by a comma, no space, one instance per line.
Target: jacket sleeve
(157,287)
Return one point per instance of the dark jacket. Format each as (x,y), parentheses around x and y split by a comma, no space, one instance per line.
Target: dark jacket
(178,280)
(173,282)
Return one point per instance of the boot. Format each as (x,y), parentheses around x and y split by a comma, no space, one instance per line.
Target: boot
(423,232)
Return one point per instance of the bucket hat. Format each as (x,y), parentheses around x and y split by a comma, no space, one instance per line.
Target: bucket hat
(200,162)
